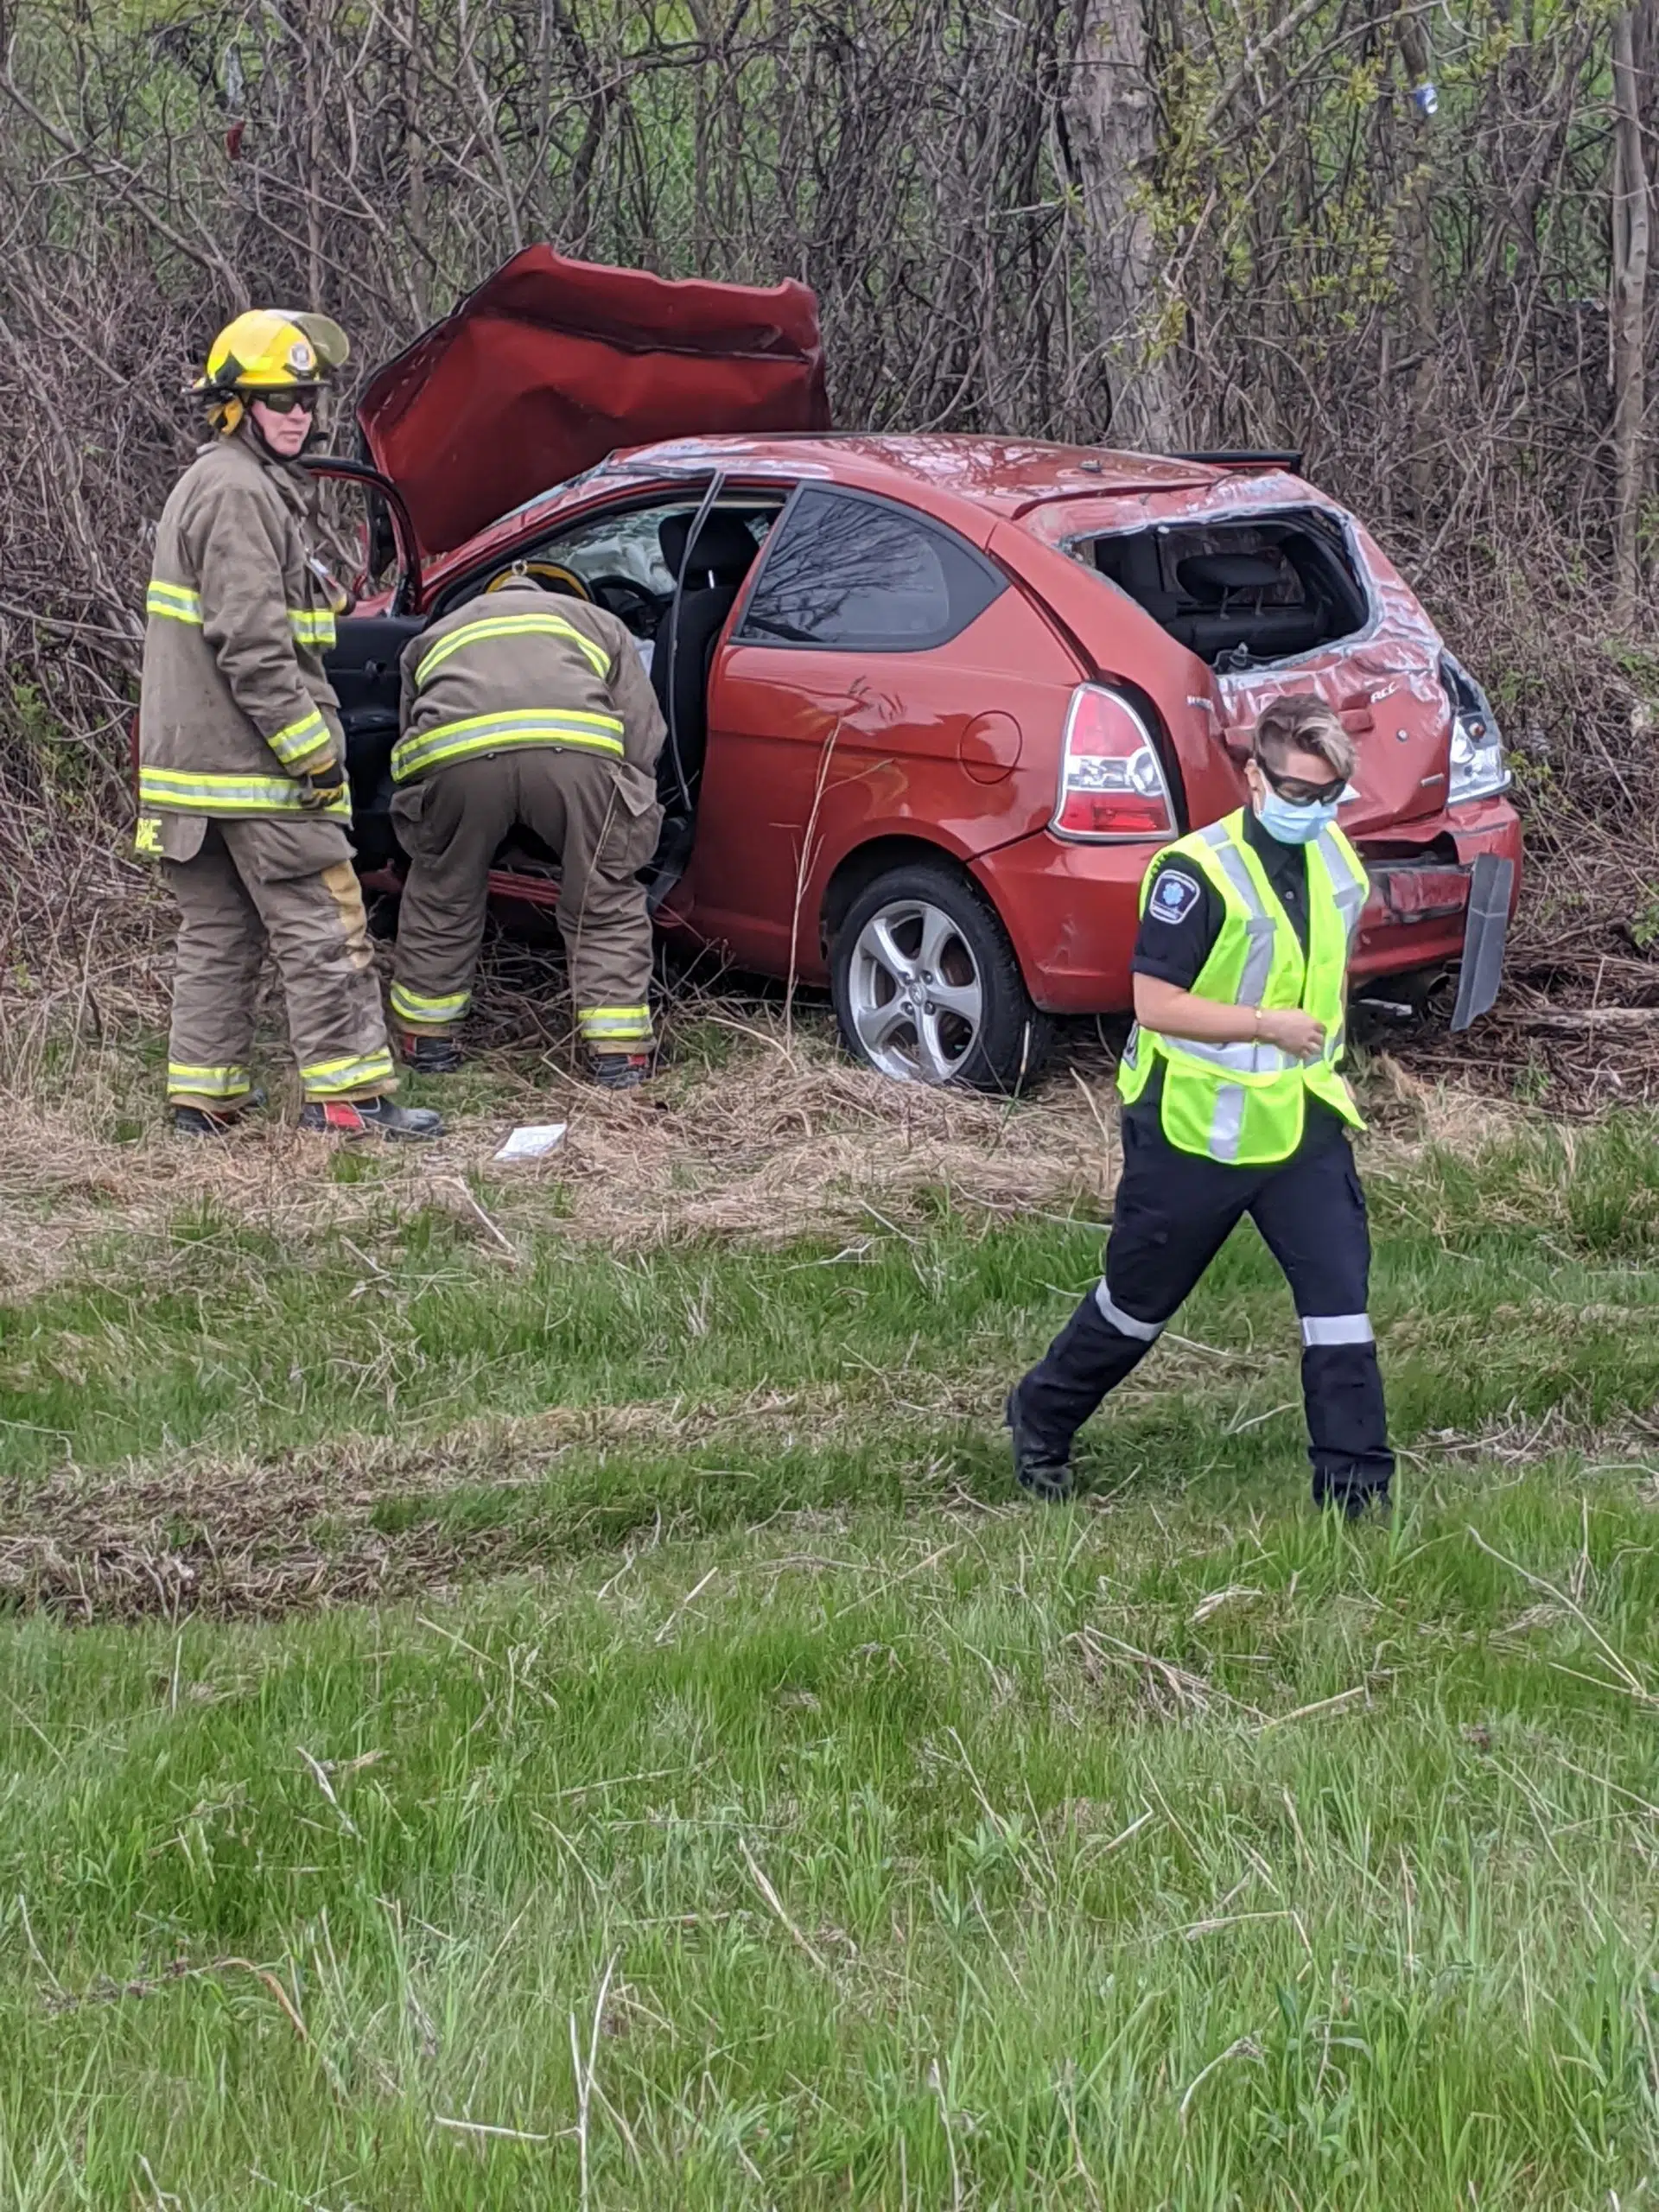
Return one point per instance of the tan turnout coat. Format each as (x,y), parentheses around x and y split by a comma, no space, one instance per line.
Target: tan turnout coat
(234,706)
(470,680)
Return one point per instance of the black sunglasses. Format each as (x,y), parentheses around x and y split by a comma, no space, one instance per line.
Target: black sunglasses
(284,402)
(1298,791)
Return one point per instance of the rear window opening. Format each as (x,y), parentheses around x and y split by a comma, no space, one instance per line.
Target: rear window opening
(1239,593)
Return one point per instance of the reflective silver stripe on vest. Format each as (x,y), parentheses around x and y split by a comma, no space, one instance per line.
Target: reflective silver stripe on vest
(1349,887)
(1145,1332)
(1247,1058)
(1227,1123)
(1259,924)
(1337,1329)
(1347,882)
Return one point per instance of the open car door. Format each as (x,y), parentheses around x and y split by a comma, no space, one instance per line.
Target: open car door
(363,663)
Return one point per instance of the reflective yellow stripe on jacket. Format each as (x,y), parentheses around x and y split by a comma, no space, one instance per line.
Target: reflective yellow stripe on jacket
(301,738)
(201,790)
(512,626)
(475,733)
(311,625)
(176,601)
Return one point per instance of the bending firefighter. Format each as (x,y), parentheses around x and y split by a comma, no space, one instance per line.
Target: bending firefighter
(519,707)
(242,792)
(1232,1104)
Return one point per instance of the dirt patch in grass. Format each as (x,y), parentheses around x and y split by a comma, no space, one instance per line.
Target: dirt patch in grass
(362,1516)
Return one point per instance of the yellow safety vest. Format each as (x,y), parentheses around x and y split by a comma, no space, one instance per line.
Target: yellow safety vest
(1244,1104)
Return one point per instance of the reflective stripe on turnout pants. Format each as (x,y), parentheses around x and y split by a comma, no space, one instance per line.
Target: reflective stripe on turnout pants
(290,887)
(599,816)
(1174,1211)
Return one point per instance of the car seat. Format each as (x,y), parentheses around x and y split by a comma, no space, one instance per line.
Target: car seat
(1230,589)
(722,557)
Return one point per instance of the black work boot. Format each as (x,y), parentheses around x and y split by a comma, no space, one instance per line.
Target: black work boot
(428,1055)
(370,1118)
(618,1070)
(214,1122)
(1350,1492)
(1047,1407)
(1042,1470)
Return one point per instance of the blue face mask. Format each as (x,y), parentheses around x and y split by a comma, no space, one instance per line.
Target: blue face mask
(1292,825)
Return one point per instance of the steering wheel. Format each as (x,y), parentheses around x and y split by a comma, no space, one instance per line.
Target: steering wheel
(627,599)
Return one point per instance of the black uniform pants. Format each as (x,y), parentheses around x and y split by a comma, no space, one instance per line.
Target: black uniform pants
(1175,1211)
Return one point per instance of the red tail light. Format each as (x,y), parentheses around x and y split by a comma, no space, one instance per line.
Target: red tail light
(1112,782)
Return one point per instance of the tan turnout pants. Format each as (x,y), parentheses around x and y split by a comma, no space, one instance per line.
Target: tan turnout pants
(245,886)
(599,816)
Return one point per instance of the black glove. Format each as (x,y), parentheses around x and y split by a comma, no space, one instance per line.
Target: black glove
(322,787)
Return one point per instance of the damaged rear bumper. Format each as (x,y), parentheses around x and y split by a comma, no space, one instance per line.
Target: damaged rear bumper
(1448,901)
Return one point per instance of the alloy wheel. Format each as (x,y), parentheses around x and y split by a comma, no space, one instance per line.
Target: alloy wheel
(914,993)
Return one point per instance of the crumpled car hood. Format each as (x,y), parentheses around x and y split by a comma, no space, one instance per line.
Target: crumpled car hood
(551,363)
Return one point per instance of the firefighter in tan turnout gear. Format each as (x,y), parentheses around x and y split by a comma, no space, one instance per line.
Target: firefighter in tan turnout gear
(242,791)
(519,707)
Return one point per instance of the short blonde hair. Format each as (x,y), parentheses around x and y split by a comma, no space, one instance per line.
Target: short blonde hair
(1302,723)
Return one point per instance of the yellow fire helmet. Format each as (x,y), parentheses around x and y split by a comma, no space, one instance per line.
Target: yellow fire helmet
(268,349)
(551,576)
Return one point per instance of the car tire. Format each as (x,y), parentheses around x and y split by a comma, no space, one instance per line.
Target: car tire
(927,987)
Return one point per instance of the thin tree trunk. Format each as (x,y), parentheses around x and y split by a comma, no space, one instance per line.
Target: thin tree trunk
(1112,124)
(1630,235)
(1423,339)
(317,59)
(414,188)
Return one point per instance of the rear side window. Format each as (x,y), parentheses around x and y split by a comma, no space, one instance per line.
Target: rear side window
(860,574)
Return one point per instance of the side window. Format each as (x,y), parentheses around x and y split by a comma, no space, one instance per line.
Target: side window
(864,576)
(628,561)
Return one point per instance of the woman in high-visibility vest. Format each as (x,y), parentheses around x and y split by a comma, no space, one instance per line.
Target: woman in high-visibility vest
(1233,1104)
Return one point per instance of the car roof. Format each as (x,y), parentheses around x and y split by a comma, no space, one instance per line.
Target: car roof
(1006,474)
(1002,477)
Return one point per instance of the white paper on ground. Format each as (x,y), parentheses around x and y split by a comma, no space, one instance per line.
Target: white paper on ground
(532,1142)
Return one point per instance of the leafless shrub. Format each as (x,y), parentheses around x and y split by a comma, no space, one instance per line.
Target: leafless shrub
(1421,304)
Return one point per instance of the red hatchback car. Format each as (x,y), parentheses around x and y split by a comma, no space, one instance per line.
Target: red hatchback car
(933,702)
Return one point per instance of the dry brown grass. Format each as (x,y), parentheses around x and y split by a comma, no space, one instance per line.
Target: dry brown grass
(787,1139)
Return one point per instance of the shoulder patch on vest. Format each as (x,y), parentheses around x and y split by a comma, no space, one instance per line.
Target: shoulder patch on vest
(1174,896)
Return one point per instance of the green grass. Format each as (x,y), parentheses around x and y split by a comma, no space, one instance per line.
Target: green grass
(804,1822)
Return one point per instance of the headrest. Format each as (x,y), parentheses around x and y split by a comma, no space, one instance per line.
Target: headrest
(1210,575)
(724,546)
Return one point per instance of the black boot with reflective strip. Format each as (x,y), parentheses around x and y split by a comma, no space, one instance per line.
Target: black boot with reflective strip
(370,1118)
(620,1070)
(428,1055)
(206,1122)
(1042,1471)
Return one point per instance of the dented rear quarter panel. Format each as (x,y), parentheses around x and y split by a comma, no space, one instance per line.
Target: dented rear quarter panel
(1383,680)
